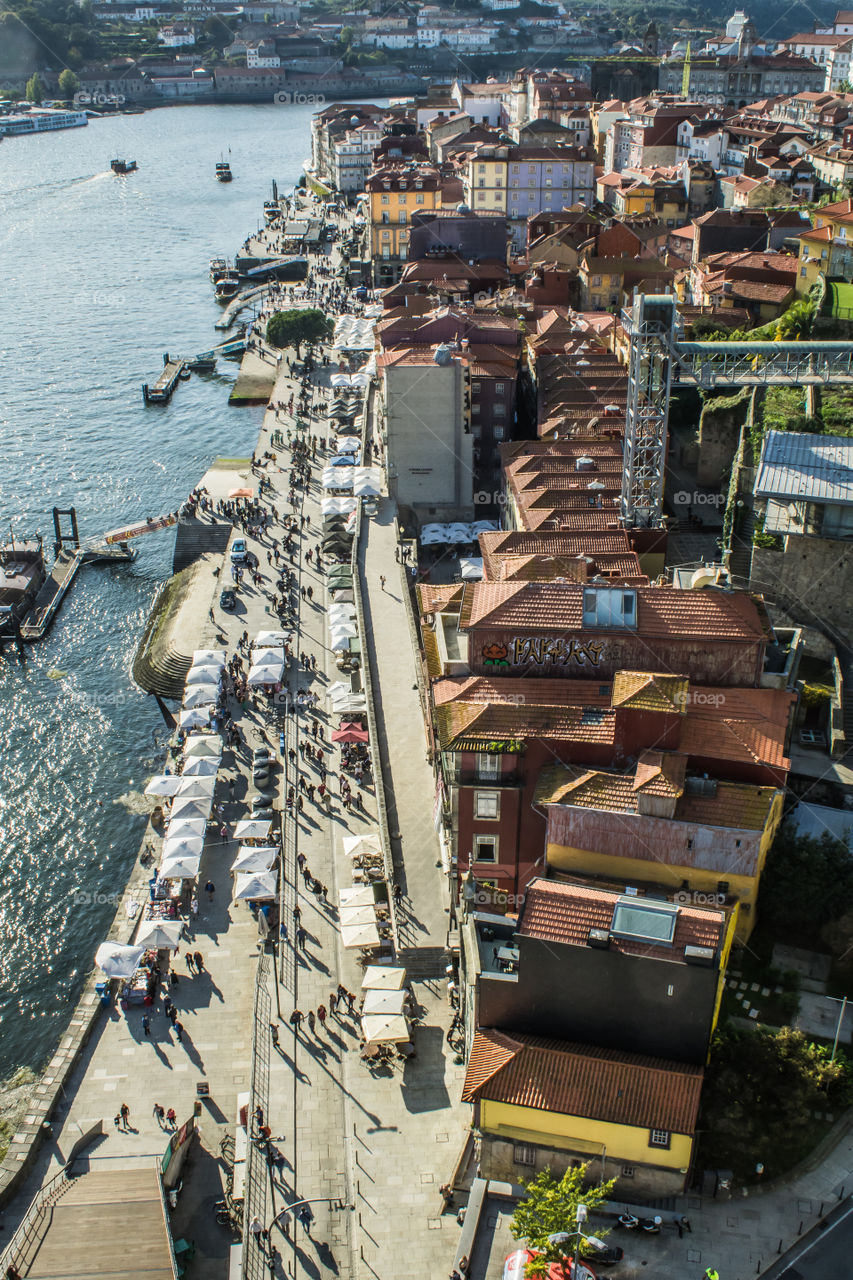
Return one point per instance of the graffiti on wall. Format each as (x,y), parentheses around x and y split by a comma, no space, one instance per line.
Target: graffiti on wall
(543,651)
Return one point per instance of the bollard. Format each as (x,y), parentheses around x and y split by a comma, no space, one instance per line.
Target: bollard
(841,1194)
(820,1210)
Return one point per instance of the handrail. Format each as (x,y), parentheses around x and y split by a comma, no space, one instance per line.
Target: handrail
(14,1253)
(165,1209)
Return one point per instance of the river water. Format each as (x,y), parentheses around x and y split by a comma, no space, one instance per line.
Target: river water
(99,275)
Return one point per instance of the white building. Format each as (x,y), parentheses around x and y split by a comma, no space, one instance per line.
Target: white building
(352,157)
(617,146)
(701,140)
(262,55)
(176,35)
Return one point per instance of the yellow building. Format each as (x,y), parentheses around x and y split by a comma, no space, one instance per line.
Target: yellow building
(545,1103)
(706,838)
(395,193)
(828,247)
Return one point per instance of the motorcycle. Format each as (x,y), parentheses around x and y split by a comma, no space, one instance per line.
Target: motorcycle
(628,1222)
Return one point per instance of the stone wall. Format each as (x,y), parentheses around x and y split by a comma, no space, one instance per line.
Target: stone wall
(719,433)
(648,1182)
(812,578)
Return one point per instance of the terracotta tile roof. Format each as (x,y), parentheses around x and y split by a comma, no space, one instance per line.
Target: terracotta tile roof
(660,773)
(733,805)
(582,1080)
(435,599)
(461,724)
(593,520)
(429,640)
(650,691)
(519,542)
(662,611)
(541,568)
(555,911)
(749,725)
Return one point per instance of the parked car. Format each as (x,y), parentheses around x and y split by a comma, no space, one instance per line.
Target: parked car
(238,551)
(228,600)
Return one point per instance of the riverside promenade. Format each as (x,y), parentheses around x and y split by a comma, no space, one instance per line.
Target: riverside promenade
(381,1141)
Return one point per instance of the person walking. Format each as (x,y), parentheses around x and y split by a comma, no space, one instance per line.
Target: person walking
(382,581)
(333,1003)
(124,1112)
(167,1006)
(171,1118)
(199,961)
(295,1020)
(210,889)
(321,1014)
(179,1031)
(274,1034)
(173,1015)
(188,958)
(146,1025)
(160,1114)
(311,1021)
(301,938)
(306,1217)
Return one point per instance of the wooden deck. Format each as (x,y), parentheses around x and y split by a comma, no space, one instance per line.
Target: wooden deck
(56,585)
(162,389)
(107,1224)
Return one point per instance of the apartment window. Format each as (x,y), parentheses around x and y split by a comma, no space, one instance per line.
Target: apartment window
(401,216)
(419,199)
(515,168)
(610,607)
(487,804)
(514,182)
(402,198)
(386,199)
(524,1155)
(481,168)
(418,186)
(481,182)
(549,168)
(547,182)
(659,1138)
(485,849)
(498,182)
(499,388)
(386,235)
(498,431)
(488,766)
(499,410)
(531,168)
(481,197)
(475,386)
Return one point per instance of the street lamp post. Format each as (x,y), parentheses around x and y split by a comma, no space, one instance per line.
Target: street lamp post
(564,1237)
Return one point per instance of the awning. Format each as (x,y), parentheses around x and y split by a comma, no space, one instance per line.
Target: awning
(383,1002)
(194,717)
(354,917)
(117,960)
(337,505)
(387,1028)
(252,829)
(180,868)
(364,935)
(187,807)
(367,482)
(205,673)
(250,859)
(180,827)
(383,977)
(205,744)
(165,784)
(271,639)
(200,767)
(160,934)
(337,478)
(360,895)
(202,657)
(182,847)
(266,673)
(196,787)
(357,846)
(255,887)
(200,695)
(350,733)
(472,568)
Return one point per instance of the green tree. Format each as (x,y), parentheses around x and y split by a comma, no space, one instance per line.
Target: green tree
(68,83)
(807,884)
(35,89)
(551,1208)
(292,328)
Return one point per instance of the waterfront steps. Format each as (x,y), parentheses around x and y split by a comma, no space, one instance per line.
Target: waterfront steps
(177,626)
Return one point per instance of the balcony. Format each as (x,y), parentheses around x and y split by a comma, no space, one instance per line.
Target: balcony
(476,778)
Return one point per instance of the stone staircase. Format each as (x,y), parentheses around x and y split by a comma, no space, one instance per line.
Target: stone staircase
(197,537)
(741,554)
(177,625)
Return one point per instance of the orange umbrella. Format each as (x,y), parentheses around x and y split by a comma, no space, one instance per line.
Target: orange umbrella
(241,493)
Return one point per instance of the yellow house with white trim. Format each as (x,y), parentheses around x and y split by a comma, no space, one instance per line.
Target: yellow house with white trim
(549,1103)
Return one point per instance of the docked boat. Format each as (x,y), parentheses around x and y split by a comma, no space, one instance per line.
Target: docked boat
(218,268)
(271,210)
(228,287)
(22,575)
(123,166)
(204,363)
(223,171)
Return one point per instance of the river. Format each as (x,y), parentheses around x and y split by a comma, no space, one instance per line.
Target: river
(99,275)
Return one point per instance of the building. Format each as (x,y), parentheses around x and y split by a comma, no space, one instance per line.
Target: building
(521,181)
(262,54)
(734,79)
(331,125)
(804,497)
(395,192)
(827,247)
(763,283)
(541,1102)
(352,156)
(177,34)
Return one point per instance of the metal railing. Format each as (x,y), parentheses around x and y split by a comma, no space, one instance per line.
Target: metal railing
(722,364)
(254,1261)
(166,1224)
(30,1227)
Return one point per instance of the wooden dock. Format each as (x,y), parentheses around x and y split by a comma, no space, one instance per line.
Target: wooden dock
(55,586)
(169,377)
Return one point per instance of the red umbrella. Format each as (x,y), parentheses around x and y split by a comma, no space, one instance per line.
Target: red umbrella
(350,733)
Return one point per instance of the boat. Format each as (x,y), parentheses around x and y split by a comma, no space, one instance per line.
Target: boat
(123,166)
(223,171)
(271,210)
(218,268)
(204,363)
(227,288)
(185,373)
(22,575)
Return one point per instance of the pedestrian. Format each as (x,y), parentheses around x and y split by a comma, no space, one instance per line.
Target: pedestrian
(124,1112)
(333,1002)
(171,1118)
(173,1015)
(301,861)
(306,876)
(324,894)
(351,1001)
(199,961)
(306,1217)
(159,1113)
(259,1116)
(274,1034)
(117,1121)
(210,889)
(179,1031)
(284,1223)
(301,938)
(321,1014)
(167,1006)
(295,1020)
(257,1229)
(223,831)
(146,1025)
(382,581)
(311,1020)
(297,914)
(189,962)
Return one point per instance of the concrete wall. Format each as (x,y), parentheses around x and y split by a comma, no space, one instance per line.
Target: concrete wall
(430,455)
(497,1162)
(816,572)
(719,433)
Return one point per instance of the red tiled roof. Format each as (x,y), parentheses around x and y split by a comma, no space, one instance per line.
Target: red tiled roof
(583,1080)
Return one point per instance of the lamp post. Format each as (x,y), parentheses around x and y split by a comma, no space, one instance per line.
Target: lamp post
(563,1237)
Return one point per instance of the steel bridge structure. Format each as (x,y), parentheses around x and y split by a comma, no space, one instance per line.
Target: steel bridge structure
(660,359)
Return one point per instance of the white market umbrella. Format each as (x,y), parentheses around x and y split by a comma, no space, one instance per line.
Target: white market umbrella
(196,788)
(471,567)
(187,807)
(360,379)
(383,977)
(252,829)
(207,673)
(350,444)
(209,657)
(367,482)
(117,960)
(249,859)
(165,784)
(203,744)
(340,380)
(180,827)
(265,673)
(358,895)
(337,478)
(383,1002)
(271,639)
(385,1028)
(260,657)
(200,767)
(337,506)
(182,847)
(160,935)
(194,717)
(353,917)
(200,695)
(367,842)
(253,887)
(338,690)
(346,630)
(363,935)
(180,868)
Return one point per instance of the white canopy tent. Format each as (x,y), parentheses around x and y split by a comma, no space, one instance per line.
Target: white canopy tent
(358,895)
(384,1002)
(472,568)
(194,717)
(203,744)
(200,695)
(180,827)
(385,1028)
(200,767)
(211,657)
(205,673)
(367,482)
(162,934)
(270,671)
(271,639)
(251,886)
(117,960)
(383,977)
(353,917)
(337,477)
(196,787)
(337,506)
(365,843)
(187,807)
(179,868)
(252,829)
(182,847)
(363,935)
(250,859)
(164,784)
